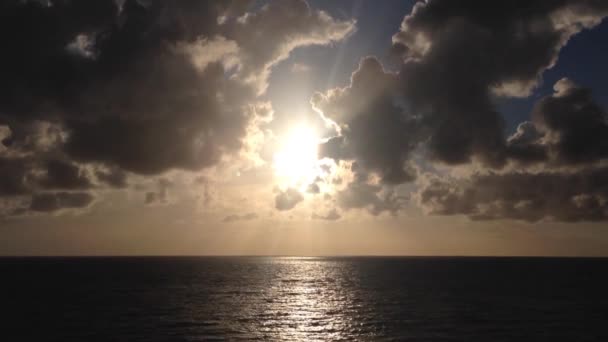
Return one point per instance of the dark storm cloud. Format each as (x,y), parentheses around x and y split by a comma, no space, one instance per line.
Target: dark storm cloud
(561,196)
(287,199)
(48,202)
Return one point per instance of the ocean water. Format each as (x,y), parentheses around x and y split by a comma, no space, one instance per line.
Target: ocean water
(303,299)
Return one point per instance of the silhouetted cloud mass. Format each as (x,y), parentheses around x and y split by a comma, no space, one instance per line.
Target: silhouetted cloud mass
(136,86)
(96,95)
(562,196)
(45,202)
(457,58)
(458,55)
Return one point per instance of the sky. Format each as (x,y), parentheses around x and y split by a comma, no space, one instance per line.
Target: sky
(438,127)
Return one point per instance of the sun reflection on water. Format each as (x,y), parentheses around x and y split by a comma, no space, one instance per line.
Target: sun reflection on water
(306,296)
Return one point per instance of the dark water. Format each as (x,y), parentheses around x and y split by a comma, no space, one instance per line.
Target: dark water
(304,299)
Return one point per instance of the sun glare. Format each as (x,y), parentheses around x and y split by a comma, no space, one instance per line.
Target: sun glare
(296,162)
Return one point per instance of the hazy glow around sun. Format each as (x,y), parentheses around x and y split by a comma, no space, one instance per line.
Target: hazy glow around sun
(296,161)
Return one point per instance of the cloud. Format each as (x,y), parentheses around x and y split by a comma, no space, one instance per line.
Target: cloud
(22,175)
(161,195)
(267,36)
(559,196)
(49,202)
(375,131)
(375,198)
(25,178)
(113,177)
(456,59)
(457,55)
(377,136)
(574,126)
(156,96)
(237,217)
(139,104)
(90,93)
(288,199)
(64,175)
(332,215)
(567,128)
(566,141)
(12,177)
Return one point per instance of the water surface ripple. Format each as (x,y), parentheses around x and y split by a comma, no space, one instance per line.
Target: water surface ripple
(304,299)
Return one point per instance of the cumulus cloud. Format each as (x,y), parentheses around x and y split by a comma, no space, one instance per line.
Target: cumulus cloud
(25,177)
(267,36)
(456,58)
(569,135)
(375,131)
(376,135)
(574,126)
(567,128)
(90,92)
(375,198)
(561,196)
(457,55)
(25,174)
(288,199)
(139,104)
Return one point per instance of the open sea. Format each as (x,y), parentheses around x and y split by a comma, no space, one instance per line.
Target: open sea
(303,299)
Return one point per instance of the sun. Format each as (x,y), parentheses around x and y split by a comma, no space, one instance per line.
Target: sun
(296,161)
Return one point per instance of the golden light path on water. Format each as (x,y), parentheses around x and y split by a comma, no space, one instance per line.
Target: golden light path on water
(286,299)
(311,301)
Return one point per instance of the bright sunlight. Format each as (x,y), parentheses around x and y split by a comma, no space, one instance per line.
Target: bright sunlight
(296,162)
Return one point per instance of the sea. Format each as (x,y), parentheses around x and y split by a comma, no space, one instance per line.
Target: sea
(303,299)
